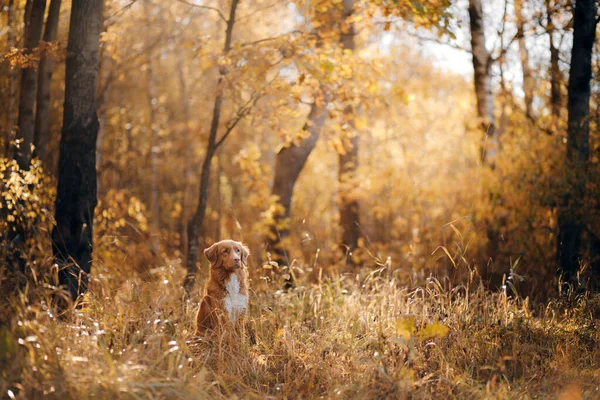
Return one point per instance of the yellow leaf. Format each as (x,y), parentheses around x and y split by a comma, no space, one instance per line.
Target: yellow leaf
(433,331)
(405,327)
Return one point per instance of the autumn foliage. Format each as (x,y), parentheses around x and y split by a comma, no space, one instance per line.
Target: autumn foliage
(454,286)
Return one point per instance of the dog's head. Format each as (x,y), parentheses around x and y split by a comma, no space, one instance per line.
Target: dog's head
(227,254)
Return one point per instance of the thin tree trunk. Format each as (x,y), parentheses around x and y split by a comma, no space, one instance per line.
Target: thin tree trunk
(33,32)
(555,74)
(195,224)
(289,162)
(528,81)
(348,162)
(483,82)
(570,221)
(10,118)
(219,196)
(188,151)
(18,233)
(76,199)
(42,114)
(154,144)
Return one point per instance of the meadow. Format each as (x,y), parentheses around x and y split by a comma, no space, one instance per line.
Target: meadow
(345,335)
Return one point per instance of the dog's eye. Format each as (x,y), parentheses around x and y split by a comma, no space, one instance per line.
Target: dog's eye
(237,250)
(225,251)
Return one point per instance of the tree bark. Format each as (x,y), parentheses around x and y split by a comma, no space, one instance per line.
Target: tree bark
(348,162)
(101,107)
(289,162)
(483,82)
(188,151)
(555,74)
(76,200)
(33,32)
(42,114)
(571,216)
(10,117)
(528,81)
(195,224)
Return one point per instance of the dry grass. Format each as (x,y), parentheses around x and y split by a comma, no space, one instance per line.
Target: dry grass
(355,336)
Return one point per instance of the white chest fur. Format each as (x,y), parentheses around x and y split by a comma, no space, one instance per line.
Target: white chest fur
(235,302)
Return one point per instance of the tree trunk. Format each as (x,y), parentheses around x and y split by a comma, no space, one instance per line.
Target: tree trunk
(188,151)
(34,19)
(555,74)
(10,117)
(348,162)
(154,144)
(76,192)
(570,220)
(33,32)
(219,198)
(195,224)
(42,114)
(289,162)
(102,110)
(483,82)
(528,81)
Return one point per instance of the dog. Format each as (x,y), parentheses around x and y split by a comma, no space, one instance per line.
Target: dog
(225,299)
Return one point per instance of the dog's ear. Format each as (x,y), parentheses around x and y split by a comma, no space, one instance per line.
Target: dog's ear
(212,253)
(245,254)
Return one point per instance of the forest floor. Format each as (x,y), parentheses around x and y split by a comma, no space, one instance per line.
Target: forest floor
(358,336)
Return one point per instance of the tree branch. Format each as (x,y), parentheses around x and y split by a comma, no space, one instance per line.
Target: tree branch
(243,111)
(503,51)
(132,2)
(258,11)
(206,8)
(432,40)
(269,38)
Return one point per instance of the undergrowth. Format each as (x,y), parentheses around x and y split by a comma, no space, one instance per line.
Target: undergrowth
(362,335)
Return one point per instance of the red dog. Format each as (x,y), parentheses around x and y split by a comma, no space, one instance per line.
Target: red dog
(226,292)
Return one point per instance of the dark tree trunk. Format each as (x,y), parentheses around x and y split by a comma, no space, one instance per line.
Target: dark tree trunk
(33,32)
(42,114)
(483,82)
(348,162)
(195,224)
(34,19)
(10,111)
(528,81)
(76,192)
(289,162)
(101,107)
(570,222)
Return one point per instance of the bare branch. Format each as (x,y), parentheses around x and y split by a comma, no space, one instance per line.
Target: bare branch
(258,11)
(433,40)
(206,8)
(132,2)
(503,51)
(243,111)
(269,38)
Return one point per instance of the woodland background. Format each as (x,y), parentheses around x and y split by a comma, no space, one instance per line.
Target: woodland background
(370,148)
